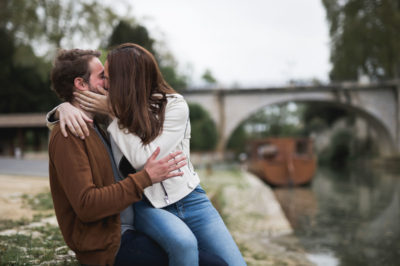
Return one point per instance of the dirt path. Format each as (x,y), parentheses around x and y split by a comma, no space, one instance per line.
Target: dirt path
(12,188)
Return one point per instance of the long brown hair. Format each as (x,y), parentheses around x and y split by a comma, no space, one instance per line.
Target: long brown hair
(137,91)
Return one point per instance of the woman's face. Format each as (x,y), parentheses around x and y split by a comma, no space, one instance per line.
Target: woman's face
(106,76)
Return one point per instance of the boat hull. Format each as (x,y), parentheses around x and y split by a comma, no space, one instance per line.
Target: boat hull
(283,161)
(279,174)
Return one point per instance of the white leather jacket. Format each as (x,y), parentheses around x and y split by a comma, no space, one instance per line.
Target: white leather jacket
(175,136)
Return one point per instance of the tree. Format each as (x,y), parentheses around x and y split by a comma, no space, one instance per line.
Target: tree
(136,33)
(324,112)
(204,131)
(133,32)
(365,38)
(209,78)
(55,23)
(25,87)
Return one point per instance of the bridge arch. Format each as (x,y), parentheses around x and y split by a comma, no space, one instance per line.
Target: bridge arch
(378,104)
(386,144)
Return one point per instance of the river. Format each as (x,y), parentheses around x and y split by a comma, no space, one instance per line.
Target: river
(347,217)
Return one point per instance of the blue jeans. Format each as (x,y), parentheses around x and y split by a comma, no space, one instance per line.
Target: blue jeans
(186,226)
(138,249)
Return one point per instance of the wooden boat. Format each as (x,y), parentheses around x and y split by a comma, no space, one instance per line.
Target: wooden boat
(283,161)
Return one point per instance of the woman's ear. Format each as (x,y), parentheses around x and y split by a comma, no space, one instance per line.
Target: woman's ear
(80,84)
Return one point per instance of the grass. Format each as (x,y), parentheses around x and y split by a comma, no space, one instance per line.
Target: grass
(42,245)
(9,224)
(39,202)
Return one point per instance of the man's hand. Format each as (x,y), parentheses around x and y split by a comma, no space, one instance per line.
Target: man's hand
(74,119)
(94,102)
(164,168)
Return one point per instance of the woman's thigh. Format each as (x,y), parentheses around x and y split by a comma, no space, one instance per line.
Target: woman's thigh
(164,227)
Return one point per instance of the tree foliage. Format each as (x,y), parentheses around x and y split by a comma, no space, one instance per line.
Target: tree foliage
(365,38)
(208,77)
(24,86)
(128,32)
(321,111)
(136,33)
(56,23)
(204,131)
(29,28)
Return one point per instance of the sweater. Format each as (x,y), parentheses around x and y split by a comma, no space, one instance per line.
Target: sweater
(86,199)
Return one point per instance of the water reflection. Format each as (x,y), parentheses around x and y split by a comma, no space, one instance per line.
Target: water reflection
(353,216)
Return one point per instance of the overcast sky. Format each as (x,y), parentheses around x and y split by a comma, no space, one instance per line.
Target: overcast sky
(251,43)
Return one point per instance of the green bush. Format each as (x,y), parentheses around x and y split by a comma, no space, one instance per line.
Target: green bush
(204,132)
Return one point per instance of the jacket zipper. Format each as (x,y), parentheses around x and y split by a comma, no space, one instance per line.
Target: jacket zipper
(166,199)
(165,193)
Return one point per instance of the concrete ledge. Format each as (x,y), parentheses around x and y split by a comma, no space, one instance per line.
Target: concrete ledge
(254,209)
(254,218)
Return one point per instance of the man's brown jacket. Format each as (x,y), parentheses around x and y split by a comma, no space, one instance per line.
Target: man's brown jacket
(87,201)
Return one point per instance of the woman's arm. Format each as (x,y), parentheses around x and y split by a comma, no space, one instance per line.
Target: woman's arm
(69,116)
(73,118)
(175,123)
(94,102)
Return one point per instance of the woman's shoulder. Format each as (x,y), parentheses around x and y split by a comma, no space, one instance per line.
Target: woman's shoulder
(172,96)
(176,105)
(175,98)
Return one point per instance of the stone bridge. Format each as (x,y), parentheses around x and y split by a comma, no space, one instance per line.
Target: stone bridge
(377,103)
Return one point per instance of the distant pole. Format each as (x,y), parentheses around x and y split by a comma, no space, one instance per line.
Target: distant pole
(397,90)
(221,125)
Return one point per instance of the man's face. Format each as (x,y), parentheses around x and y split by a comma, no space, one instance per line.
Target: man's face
(96,74)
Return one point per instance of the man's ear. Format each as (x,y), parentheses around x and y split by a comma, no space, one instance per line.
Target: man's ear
(80,84)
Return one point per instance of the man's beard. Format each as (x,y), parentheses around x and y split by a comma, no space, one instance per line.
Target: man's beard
(92,88)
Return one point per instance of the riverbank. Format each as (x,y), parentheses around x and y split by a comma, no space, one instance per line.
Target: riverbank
(29,232)
(254,217)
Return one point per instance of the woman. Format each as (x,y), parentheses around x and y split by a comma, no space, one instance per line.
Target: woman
(176,213)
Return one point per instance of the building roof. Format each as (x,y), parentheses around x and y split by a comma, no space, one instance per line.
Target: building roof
(22,120)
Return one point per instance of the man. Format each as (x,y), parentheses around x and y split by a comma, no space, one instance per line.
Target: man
(91,199)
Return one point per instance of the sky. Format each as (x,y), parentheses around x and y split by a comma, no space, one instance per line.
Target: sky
(252,43)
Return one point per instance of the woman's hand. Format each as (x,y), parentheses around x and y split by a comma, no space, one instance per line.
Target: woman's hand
(159,170)
(74,119)
(94,102)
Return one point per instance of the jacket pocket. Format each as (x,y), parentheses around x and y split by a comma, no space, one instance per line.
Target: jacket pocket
(93,236)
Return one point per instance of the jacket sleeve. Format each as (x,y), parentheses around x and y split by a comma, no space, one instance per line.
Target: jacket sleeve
(175,124)
(50,121)
(89,202)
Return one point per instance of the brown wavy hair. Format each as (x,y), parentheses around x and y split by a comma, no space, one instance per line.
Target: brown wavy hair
(137,91)
(68,65)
